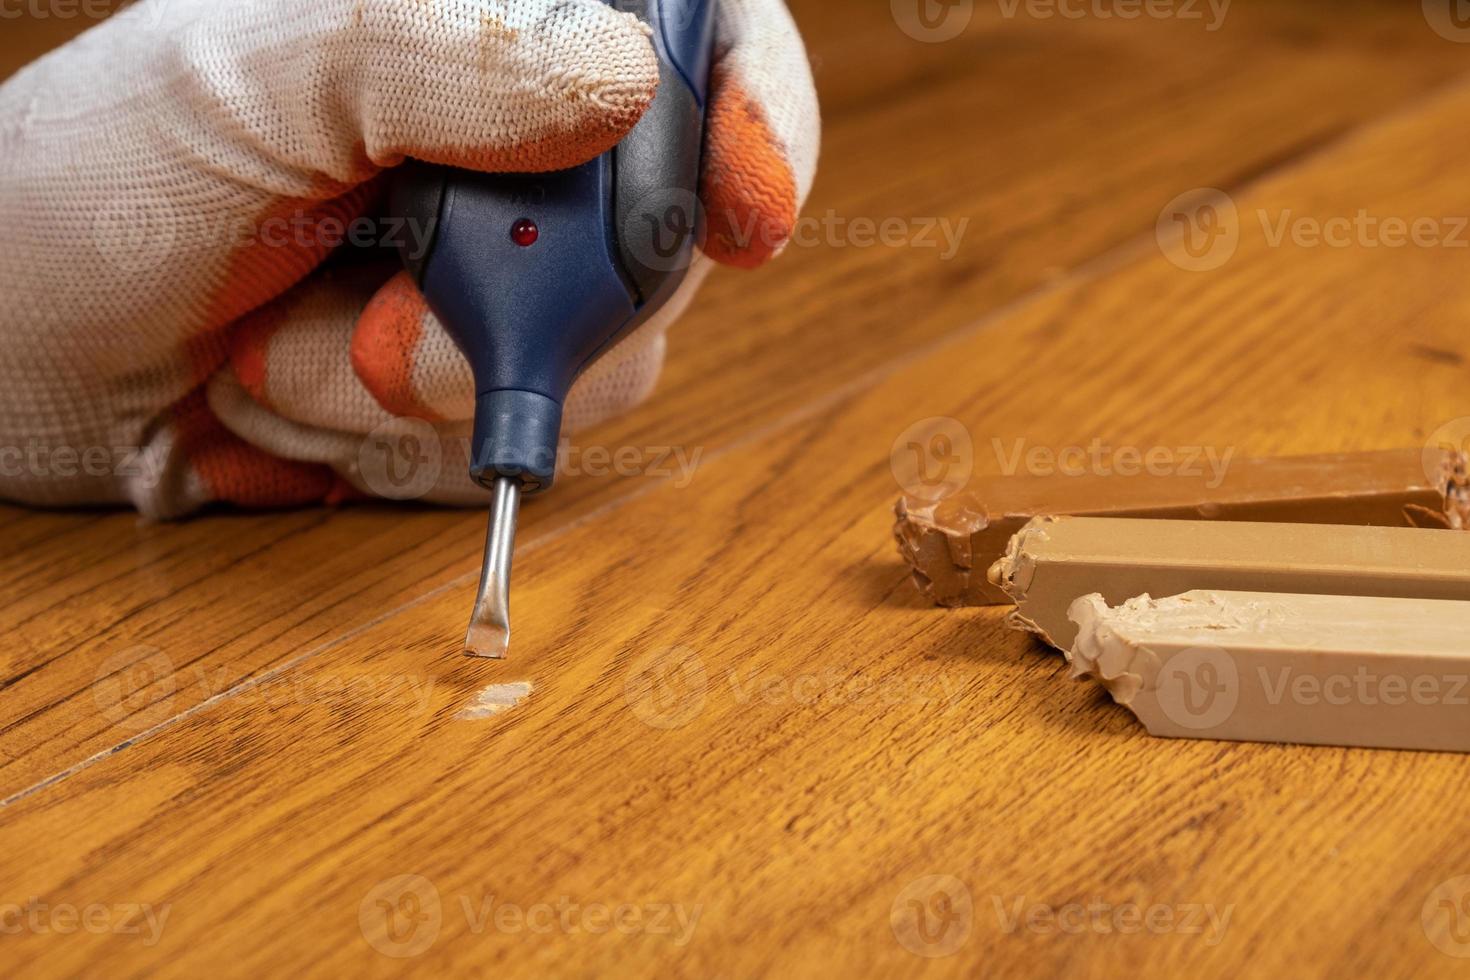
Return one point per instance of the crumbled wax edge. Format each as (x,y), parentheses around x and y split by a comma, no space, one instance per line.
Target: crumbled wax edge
(912,525)
(1015,620)
(915,520)
(1125,667)
(1099,652)
(907,536)
(1457,490)
(1014,571)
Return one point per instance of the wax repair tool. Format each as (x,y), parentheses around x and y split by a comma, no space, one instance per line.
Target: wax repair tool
(536,276)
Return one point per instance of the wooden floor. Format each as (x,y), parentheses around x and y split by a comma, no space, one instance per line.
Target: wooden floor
(748,744)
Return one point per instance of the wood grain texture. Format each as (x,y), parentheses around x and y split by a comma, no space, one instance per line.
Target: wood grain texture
(1050,182)
(740,706)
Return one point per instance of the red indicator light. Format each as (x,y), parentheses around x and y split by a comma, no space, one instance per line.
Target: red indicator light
(524,233)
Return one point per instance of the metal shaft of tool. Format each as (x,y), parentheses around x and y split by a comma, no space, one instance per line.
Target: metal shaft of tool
(489,634)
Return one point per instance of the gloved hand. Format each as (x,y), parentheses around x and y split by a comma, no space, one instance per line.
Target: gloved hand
(174,178)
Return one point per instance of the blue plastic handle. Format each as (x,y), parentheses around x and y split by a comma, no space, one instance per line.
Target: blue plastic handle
(614,240)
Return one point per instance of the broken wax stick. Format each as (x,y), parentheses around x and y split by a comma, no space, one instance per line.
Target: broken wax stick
(1055,560)
(950,544)
(1272,667)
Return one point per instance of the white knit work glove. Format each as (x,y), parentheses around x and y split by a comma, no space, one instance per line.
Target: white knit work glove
(172,181)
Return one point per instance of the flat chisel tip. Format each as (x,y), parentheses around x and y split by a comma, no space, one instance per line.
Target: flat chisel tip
(489,635)
(490,641)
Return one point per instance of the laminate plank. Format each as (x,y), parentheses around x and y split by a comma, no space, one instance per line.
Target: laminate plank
(742,708)
(1070,137)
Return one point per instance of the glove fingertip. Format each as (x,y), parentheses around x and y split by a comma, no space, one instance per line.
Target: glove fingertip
(554,85)
(748,187)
